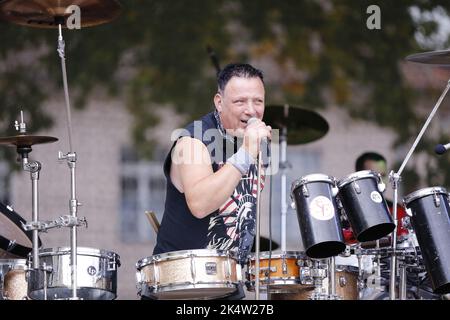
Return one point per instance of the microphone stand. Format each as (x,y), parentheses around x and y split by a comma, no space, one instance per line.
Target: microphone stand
(258,229)
(394,178)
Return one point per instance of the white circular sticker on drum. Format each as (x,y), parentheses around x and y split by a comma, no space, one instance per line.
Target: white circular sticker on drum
(321,208)
(376,197)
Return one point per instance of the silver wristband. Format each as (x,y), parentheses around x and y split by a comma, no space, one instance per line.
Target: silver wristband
(241,160)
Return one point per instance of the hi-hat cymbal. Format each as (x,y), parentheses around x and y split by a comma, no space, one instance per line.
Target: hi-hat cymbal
(26,140)
(432,57)
(51,13)
(302,125)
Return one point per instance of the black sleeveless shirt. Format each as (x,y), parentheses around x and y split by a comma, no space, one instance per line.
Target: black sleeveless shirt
(232,225)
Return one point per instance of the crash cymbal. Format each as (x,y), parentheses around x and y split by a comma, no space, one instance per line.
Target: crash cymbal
(264,244)
(432,57)
(26,140)
(302,125)
(51,13)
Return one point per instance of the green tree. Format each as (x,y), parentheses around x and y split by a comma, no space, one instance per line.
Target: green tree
(155,54)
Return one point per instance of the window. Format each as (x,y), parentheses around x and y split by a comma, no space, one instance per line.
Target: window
(143,188)
(4,182)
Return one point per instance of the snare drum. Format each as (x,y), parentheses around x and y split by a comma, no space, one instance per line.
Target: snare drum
(361,195)
(314,196)
(13,283)
(431,222)
(96,274)
(188,274)
(285,272)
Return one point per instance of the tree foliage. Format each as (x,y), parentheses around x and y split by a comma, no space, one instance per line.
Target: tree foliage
(154,55)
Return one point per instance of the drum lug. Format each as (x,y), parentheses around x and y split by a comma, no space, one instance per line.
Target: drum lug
(357,187)
(305,191)
(334,191)
(305,276)
(342,281)
(293,206)
(381,185)
(156,276)
(138,279)
(193,273)
(437,201)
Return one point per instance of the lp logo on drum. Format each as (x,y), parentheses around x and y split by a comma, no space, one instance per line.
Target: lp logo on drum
(91,270)
(74,20)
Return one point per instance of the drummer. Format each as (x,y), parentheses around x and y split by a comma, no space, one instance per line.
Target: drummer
(211,171)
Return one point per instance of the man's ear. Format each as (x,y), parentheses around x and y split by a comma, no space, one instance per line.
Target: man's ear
(218,102)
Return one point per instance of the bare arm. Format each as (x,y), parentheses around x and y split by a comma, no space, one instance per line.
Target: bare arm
(192,174)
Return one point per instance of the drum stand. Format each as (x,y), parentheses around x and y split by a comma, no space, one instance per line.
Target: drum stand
(71,158)
(284,165)
(71,221)
(258,229)
(34,167)
(394,178)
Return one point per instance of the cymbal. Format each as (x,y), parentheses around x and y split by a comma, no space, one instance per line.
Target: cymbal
(26,140)
(302,125)
(51,13)
(441,57)
(264,244)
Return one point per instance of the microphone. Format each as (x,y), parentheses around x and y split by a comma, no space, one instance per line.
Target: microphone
(265,145)
(441,148)
(213,57)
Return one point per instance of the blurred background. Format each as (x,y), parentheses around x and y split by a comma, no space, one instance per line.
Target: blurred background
(134,80)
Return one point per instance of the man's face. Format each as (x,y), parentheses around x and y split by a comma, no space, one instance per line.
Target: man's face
(241,99)
(377,166)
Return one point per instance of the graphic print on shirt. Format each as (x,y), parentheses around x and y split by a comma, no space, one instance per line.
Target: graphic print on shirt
(233,227)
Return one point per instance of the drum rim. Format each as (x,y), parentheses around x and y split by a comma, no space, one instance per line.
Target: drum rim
(18,249)
(13,262)
(55,251)
(422,193)
(346,267)
(180,254)
(320,177)
(356,176)
(164,288)
(278,255)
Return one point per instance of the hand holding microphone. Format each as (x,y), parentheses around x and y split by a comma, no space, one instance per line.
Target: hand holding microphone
(256,133)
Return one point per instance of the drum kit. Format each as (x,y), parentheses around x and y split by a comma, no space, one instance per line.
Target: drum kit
(60,273)
(330,267)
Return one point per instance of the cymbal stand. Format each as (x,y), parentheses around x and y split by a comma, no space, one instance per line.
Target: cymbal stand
(394,178)
(34,168)
(71,159)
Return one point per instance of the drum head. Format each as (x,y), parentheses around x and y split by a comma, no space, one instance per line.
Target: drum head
(14,240)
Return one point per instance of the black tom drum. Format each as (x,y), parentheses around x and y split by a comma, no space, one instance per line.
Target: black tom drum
(429,208)
(314,197)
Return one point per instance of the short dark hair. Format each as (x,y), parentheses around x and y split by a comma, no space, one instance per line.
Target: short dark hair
(242,70)
(359,165)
